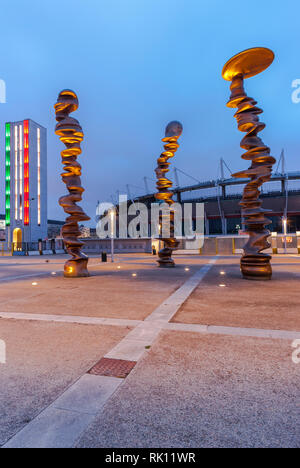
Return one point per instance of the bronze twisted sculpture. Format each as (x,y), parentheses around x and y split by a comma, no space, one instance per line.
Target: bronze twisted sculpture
(173,132)
(255,264)
(71,134)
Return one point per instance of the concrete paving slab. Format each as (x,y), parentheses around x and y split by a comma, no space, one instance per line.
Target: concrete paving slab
(234,331)
(146,331)
(49,430)
(109,293)
(246,304)
(42,360)
(133,346)
(129,350)
(197,390)
(71,319)
(164,312)
(226,385)
(61,424)
(88,394)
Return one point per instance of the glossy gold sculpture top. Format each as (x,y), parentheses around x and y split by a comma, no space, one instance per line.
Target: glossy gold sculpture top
(255,264)
(173,132)
(248,63)
(71,134)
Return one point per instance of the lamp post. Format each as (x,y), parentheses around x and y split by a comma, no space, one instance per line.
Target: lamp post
(112,233)
(284,224)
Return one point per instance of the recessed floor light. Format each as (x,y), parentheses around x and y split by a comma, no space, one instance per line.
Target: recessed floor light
(222,285)
(34,284)
(134,274)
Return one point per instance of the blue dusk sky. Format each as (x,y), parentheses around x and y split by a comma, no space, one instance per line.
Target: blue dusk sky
(136,65)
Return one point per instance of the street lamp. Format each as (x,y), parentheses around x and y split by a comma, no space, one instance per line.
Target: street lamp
(112,233)
(284,223)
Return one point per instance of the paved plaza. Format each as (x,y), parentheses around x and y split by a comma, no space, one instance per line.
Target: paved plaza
(210,353)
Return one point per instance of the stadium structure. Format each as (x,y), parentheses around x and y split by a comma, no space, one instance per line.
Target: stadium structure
(221,197)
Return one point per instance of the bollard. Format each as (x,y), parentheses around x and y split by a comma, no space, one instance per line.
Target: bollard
(298,241)
(274,243)
(104,257)
(233,246)
(40,247)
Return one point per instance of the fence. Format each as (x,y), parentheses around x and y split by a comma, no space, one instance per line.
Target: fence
(91,246)
(53,246)
(231,245)
(212,245)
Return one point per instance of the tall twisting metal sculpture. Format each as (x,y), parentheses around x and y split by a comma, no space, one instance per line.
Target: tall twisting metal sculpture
(255,264)
(71,134)
(173,132)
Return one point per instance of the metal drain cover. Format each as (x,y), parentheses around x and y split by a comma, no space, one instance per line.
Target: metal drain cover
(113,368)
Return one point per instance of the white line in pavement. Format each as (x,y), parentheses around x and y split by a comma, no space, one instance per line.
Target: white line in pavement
(71,319)
(62,423)
(134,345)
(12,278)
(234,331)
(143,332)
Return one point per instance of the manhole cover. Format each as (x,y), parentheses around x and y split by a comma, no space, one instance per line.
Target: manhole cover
(113,368)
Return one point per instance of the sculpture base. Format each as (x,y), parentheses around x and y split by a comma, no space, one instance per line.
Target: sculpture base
(76,268)
(165,255)
(168,264)
(256,267)
(165,258)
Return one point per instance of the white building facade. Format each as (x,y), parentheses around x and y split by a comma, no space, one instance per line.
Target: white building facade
(25,182)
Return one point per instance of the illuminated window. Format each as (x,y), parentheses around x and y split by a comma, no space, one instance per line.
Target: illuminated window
(26,172)
(16,172)
(21,169)
(39,174)
(7,174)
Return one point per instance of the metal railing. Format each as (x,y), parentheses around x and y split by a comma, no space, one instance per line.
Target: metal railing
(27,248)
